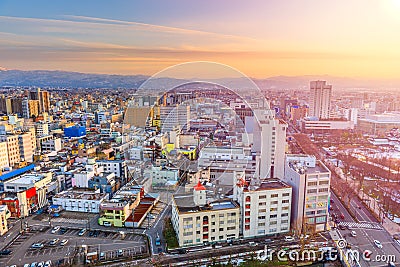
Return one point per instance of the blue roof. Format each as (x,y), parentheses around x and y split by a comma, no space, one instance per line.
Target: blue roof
(16,172)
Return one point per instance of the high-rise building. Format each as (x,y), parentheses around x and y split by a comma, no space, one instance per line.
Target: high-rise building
(137,115)
(14,155)
(310,180)
(5,105)
(320,99)
(3,155)
(44,99)
(269,143)
(26,147)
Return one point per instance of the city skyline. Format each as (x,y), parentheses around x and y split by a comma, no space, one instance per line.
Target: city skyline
(287,38)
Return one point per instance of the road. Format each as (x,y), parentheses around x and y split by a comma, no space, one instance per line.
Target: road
(365,235)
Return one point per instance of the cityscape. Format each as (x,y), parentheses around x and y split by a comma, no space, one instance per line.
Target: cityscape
(122,147)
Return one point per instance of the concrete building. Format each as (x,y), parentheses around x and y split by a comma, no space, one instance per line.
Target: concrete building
(269,144)
(310,180)
(163,177)
(42,129)
(43,97)
(137,116)
(265,207)
(4,216)
(308,125)
(26,146)
(118,167)
(80,200)
(14,156)
(320,99)
(115,212)
(4,155)
(196,221)
(379,124)
(51,145)
(174,116)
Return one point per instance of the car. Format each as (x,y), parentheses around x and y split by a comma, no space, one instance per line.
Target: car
(268,240)
(353,233)
(54,242)
(27,265)
(359,207)
(34,264)
(120,253)
(37,245)
(289,238)
(91,233)
(47,263)
(55,229)
(107,224)
(102,256)
(342,227)
(63,242)
(341,216)
(96,233)
(253,244)
(41,264)
(5,252)
(304,236)
(378,244)
(63,231)
(82,232)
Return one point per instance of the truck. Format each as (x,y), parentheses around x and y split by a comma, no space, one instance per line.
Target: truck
(158,240)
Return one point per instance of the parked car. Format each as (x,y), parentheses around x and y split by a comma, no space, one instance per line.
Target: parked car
(63,231)
(64,242)
(33,264)
(37,245)
(107,224)
(378,244)
(54,242)
(55,229)
(82,232)
(102,256)
(289,238)
(5,252)
(120,253)
(48,263)
(353,233)
(41,264)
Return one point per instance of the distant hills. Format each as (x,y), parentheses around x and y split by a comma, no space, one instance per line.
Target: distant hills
(65,79)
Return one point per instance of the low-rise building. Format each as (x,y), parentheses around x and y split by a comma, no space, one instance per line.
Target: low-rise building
(80,200)
(265,207)
(197,221)
(4,216)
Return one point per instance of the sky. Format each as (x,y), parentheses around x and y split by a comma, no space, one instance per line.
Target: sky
(261,38)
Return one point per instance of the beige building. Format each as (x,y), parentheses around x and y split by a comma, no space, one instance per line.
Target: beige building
(196,221)
(4,215)
(14,155)
(137,116)
(26,146)
(265,207)
(3,155)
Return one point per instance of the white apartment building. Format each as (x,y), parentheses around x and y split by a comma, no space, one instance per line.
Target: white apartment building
(163,176)
(118,167)
(310,180)
(320,99)
(4,155)
(195,221)
(265,207)
(42,129)
(80,200)
(26,146)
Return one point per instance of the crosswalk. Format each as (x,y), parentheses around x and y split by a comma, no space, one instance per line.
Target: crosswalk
(364,225)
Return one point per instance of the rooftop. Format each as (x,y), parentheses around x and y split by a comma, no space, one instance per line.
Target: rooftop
(185,204)
(81,194)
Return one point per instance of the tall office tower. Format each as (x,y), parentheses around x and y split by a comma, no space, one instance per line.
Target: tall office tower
(310,180)
(5,105)
(320,99)
(269,143)
(44,99)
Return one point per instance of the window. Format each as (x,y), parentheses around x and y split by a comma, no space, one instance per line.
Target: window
(261,224)
(284,215)
(323,190)
(231,228)
(262,197)
(272,230)
(321,211)
(310,220)
(262,210)
(221,229)
(312,183)
(321,219)
(261,217)
(273,209)
(285,201)
(310,213)
(262,204)
(274,195)
(273,222)
(285,194)
(285,208)
(284,221)
(187,233)
(274,202)
(273,216)
(311,191)
(324,182)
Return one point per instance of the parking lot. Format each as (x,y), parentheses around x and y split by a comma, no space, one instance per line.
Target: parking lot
(152,216)
(111,245)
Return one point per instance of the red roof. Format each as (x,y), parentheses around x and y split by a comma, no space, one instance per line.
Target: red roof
(199,187)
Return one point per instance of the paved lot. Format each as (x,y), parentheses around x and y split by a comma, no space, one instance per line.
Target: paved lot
(106,242)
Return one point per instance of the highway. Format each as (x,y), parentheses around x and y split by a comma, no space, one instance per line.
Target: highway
(367,230)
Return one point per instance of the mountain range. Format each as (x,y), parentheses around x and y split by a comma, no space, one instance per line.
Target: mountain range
(65,79)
